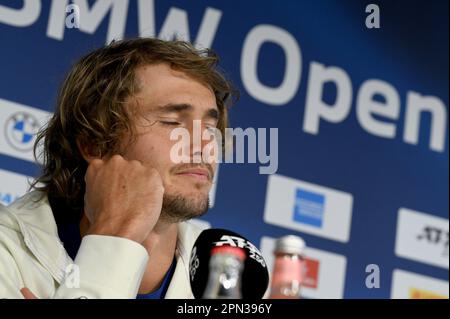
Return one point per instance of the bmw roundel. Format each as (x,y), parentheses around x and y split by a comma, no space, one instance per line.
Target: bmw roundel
(20,131)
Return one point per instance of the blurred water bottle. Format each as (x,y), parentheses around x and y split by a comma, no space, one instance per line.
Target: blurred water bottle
(288,268)
(225,273)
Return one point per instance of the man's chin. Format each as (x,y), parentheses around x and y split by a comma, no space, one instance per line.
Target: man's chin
(178,208)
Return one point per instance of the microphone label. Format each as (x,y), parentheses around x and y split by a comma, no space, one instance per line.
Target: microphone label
(235,241)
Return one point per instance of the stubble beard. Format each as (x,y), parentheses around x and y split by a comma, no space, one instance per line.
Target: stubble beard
(178,208)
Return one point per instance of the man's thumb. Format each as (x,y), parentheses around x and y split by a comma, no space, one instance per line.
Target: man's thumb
(27,294)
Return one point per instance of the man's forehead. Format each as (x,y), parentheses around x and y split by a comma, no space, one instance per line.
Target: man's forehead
(163,75)
(149,72)
(158,86)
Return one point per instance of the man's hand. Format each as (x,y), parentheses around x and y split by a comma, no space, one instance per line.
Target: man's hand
(123,198)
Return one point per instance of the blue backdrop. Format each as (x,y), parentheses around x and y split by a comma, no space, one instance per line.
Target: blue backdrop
(376,179)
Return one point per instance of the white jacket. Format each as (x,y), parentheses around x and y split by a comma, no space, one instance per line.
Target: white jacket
(32,256)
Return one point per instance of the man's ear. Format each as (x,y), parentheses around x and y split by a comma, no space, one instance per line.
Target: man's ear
(86,151)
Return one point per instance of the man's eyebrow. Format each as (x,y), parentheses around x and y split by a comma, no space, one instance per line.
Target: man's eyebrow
(174,108)
(212,113)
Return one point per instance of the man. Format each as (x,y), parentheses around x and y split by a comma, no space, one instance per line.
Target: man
(107,217)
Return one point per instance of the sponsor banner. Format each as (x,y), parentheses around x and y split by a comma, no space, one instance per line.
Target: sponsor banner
(12,186)
(408,285)
(422,237)
(19,125)
(307,207)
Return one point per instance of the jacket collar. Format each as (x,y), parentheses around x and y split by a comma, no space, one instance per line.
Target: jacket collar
(32,216)
(180,286)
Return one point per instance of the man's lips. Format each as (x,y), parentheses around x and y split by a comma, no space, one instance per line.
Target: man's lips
(199,173)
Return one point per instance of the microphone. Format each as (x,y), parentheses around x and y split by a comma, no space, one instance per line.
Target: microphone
(255,276)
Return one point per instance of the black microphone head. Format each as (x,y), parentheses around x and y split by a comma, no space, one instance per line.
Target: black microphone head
(255,276)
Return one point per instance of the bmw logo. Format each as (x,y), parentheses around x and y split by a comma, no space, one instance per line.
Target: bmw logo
(20,131)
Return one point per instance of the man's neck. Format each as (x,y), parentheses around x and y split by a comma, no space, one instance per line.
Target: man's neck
(160,245)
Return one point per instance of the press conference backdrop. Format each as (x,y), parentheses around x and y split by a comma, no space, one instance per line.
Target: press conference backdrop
(361,112)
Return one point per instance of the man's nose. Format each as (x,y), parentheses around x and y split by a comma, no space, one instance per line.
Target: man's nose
(197,142)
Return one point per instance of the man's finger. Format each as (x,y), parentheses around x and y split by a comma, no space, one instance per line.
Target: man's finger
(27,294)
